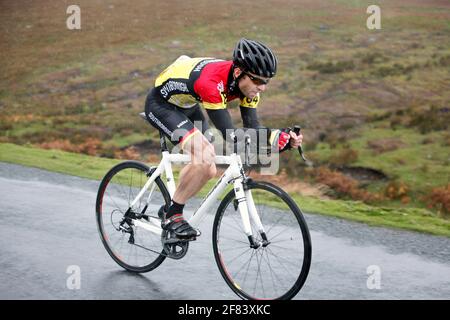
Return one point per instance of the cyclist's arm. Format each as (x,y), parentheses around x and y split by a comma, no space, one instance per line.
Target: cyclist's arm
(249,117)
(276,137)
(265,136)
(215,105)
(221,119)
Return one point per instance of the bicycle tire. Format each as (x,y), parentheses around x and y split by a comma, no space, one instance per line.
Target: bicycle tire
(222,245)
(113,186)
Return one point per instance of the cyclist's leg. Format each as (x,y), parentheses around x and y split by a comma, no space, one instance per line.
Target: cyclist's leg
(164,116)
(202,167)
(173,121)
(202,153)
(197,117)
(196,174)
(176,125)
(192,178)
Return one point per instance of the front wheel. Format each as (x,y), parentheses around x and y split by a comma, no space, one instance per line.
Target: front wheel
(275,270)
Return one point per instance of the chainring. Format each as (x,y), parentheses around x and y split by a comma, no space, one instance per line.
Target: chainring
(173,246)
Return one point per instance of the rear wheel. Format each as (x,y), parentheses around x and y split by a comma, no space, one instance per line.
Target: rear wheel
(133,248)
(278,268)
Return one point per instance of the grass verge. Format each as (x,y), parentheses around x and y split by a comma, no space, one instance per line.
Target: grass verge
(421,220)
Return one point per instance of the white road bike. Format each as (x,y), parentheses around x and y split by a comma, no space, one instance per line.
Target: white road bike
(260,238)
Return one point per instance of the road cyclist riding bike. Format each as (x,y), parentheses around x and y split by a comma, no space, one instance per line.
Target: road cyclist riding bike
(173,107)
(260,239)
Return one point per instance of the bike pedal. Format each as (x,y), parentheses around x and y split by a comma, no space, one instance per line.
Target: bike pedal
(193,238)
(184,239)
(172,241)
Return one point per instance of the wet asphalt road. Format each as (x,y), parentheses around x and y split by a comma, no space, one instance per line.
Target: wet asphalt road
(47,223)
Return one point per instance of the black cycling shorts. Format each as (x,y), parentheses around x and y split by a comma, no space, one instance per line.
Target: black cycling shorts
(178,124)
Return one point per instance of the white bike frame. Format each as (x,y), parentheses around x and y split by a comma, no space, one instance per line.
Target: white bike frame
(234,174)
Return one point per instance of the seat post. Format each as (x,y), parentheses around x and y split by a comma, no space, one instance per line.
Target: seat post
(162,141)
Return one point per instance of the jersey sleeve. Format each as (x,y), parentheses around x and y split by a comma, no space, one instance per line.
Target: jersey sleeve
(250,103)
(212,95)
(249,117)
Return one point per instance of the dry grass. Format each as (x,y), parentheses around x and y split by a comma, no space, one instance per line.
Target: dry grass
(385,145)
(439,198)
(294,186)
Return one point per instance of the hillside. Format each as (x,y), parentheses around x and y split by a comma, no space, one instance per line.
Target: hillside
(370,101)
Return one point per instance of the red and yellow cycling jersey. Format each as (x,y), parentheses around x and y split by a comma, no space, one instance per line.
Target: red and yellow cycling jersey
(189,81)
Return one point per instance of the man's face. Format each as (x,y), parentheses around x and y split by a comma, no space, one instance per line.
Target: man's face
(250,84)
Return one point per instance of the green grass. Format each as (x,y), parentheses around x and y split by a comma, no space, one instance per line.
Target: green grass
(421,220)
(415,219)
(58,161)
(124,141)
(419,165)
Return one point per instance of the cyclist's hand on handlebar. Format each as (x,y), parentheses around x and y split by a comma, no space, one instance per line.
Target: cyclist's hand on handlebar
(295,140)
(283,140)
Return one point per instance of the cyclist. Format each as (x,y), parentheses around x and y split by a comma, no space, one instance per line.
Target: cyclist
(173,106)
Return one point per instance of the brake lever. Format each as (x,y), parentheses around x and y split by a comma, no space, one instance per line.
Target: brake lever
(297,130)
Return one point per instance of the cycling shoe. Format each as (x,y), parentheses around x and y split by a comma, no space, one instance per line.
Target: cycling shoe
(180,227)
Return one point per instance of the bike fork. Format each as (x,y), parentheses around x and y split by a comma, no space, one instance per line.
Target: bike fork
(255,217)
(247,210)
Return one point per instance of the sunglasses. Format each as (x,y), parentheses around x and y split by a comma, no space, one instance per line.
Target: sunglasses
(256,80)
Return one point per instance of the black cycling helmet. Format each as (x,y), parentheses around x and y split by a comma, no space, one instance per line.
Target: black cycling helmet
(255,57)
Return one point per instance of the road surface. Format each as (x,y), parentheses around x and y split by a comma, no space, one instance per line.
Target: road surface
(49,234)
